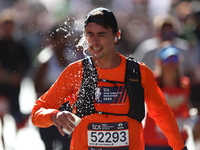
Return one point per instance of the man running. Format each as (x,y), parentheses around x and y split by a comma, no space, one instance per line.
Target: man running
(95,90)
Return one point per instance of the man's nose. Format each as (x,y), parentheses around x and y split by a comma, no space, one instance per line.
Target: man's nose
(95,39)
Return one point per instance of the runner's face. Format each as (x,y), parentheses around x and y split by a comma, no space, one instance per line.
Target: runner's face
(171,63)
(100,41)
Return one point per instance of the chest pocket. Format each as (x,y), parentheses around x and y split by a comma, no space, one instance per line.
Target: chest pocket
(111,95)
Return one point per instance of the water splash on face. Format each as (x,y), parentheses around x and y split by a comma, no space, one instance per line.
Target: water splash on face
(84,44)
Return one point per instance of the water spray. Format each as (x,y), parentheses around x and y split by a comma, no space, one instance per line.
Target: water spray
(84,44)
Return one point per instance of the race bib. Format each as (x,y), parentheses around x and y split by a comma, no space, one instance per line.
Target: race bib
(108,136)
(111,95)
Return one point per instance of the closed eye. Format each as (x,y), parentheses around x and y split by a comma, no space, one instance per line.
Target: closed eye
(102,34)
(89,34)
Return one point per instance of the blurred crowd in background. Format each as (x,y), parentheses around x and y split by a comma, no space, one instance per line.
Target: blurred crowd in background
(39,38)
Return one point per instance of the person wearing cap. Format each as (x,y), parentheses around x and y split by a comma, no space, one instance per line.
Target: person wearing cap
(104,108)
(165,31)
(176,89)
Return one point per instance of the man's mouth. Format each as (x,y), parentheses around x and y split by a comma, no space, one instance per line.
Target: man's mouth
(97,48)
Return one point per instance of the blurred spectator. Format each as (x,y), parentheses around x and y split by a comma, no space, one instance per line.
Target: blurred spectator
(183,11)
(4,108)
(59,51)
(14,63)
(4,4)
(189,14)
(50,62)
(156,7)
(7,125)
(176,89)
(195,96)
(165,34)
(32,20)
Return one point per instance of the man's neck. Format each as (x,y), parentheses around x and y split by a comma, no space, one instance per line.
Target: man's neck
(110,63)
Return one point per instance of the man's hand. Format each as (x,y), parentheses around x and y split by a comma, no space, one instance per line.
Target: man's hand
(63,120)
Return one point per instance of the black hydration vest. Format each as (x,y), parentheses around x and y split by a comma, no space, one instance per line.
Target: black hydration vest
(135,90)
(85,103)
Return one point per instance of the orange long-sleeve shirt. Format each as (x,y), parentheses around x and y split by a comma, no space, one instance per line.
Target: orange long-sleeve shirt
(108,130)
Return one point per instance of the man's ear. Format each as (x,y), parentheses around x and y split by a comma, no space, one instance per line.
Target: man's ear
(118,34)
(117,37)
